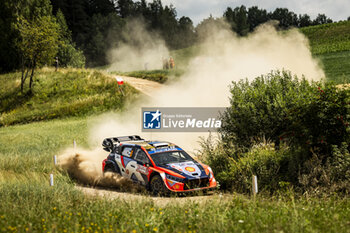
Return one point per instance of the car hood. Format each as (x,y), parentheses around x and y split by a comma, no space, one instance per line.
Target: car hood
(188,169)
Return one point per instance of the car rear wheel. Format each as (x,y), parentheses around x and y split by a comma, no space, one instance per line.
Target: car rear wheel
(158,186)
(110,168)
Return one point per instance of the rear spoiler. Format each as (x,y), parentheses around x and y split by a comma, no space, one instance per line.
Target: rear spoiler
(108,143)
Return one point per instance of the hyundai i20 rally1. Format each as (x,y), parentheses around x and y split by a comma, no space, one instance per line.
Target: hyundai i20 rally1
(161,166)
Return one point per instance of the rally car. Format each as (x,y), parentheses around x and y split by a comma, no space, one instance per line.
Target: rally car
(161,166)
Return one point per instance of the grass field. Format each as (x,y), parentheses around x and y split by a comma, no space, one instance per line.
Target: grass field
(336,66)
(328,38)
(69,92)
(331,44)
(29,204)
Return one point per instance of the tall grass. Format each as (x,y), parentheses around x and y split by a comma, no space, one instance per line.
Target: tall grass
(29,204)
(37,207)
(69,92)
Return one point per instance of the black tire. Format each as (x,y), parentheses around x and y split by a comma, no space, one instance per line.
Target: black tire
(158,187)
(110,168)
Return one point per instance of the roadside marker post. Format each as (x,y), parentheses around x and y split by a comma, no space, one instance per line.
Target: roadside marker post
(55,160)
(120,82)
(254,185)
(51,179)
(74,144)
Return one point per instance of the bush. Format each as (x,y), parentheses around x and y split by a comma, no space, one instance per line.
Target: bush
(283,108)
(306,126)
(70,56)
(269,165)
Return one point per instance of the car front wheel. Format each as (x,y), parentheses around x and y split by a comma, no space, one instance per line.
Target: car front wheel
(158,186)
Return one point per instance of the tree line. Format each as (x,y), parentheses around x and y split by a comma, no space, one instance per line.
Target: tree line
(243,20)
(80,32)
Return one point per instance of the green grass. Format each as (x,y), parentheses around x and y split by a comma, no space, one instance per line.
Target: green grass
(336,66)
(69,92)
(63,209)
(331,44)
(327,38)
(28,203)
(27,150)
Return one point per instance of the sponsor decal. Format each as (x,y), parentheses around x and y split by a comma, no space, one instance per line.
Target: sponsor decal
(152,151)
(142,169)
(176,167)
(190,169)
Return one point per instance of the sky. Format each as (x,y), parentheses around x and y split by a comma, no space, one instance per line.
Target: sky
(198,10)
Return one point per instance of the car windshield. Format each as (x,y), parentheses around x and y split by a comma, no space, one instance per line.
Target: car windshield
(163,158)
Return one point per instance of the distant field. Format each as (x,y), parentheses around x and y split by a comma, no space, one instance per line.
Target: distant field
(68,92)
(331,44)
(327,38)
(336,66)
(28,203)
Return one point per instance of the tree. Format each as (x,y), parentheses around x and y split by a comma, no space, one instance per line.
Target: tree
(9,54)
(105,32)
(125,8)
(67,53)
(256,17)
(209,27)
(38,44)
(186,35)
(304,20)
(238,19)
(321,19)
(285,17)
(230,17)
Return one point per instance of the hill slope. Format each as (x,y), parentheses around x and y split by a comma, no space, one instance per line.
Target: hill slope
(69,92)
(331,44)
(327,38)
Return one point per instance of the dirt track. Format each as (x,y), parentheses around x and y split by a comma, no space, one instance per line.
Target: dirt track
(147,87)
(159,201)
(143,85)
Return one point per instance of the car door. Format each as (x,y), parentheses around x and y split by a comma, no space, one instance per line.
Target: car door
(127,162)
(140,171)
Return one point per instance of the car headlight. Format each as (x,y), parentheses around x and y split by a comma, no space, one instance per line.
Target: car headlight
(174,178)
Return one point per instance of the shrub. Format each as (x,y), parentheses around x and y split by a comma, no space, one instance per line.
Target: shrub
(69,56)
(283,108)
(306,126)
(269,165)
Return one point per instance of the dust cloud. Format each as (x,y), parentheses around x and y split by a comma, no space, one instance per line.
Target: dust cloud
(85,166)
(140,50)
(223,57)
